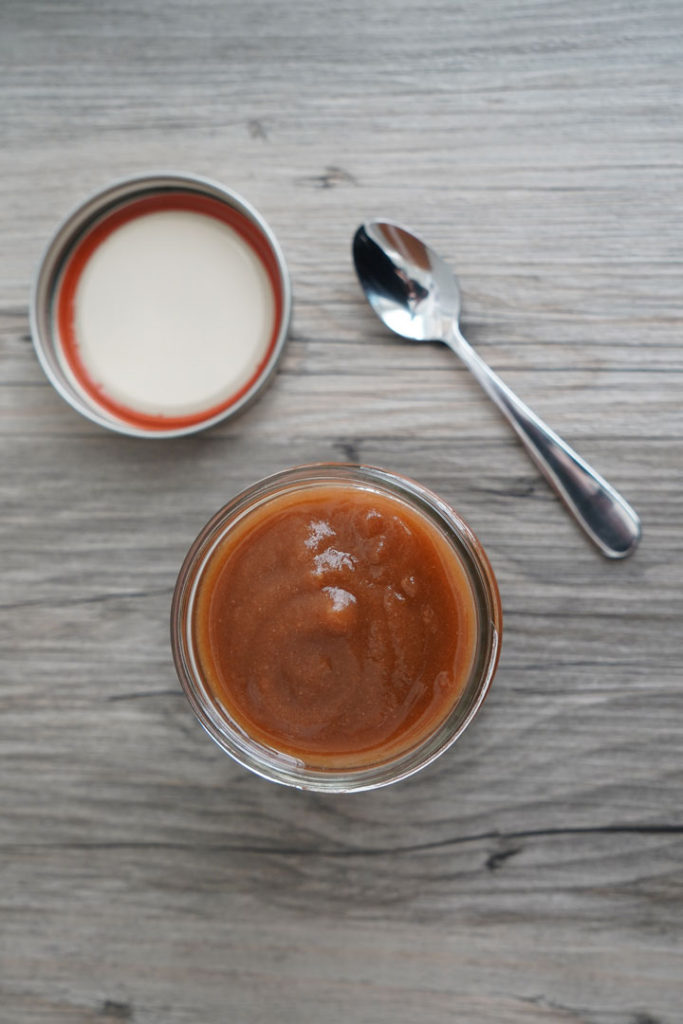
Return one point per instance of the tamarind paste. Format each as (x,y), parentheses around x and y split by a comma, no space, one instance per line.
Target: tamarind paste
(335,624)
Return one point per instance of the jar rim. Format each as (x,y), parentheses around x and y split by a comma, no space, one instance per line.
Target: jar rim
(283,768)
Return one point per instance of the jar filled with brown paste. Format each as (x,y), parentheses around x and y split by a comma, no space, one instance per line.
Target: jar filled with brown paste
(336,627)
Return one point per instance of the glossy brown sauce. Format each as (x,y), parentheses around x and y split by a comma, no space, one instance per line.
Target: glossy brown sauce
(335,624)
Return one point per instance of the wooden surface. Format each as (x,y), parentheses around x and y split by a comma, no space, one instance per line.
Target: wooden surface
(533,874)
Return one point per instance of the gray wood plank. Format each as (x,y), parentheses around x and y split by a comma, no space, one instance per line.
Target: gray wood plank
(534,873)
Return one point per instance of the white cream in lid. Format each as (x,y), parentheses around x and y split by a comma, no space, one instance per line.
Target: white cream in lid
(173,313)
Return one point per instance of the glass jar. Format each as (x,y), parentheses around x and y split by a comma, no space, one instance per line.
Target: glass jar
(282,767)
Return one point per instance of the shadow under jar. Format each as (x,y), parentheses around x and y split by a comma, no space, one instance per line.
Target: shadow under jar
(336,627)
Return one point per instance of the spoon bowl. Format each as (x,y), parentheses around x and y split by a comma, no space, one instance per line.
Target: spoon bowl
(416,294)
(407,284)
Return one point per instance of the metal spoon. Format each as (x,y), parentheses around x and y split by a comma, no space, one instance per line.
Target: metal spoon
(416,294)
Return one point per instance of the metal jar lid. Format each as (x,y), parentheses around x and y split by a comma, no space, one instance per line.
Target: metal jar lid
(49,334)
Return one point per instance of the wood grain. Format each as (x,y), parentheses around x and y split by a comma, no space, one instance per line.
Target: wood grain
(533,874)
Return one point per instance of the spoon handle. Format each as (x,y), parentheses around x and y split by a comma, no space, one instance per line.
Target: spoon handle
(606,517)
